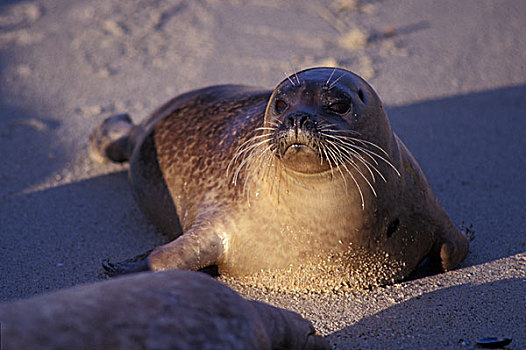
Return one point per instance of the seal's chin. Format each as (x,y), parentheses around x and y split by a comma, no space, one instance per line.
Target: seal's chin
(303,159)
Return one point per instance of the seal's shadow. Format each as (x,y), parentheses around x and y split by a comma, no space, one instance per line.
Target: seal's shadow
(472,149)
(458,316)
(56,238)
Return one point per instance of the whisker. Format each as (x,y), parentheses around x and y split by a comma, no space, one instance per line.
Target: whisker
(250,142)
(238,170)
(298,79)
(334,82)
(349,141)
(344,140)
(324,148)
(365,143)
(338,134)
(273,125)
(356,184)
(287,76)
(319,152)
(353,149)
(330,77)
(254,138)
(379,156)
(367,164)
(243,152)
(371,144)
(341,134)
(256,164)
(349,157)
(338,168)
(353,153)
(363,176)
(252,145)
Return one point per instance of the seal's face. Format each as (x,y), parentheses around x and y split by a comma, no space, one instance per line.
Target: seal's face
(313,117)
(320,121)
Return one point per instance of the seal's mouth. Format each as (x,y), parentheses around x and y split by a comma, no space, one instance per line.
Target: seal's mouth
(291,142)
(298,151)
(296,133)
(298,143)
(297,147)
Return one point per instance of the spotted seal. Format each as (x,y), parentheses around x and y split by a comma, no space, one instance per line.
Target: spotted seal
(167,310)
(307,182)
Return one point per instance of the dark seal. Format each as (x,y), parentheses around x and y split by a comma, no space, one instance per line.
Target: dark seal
(305,186)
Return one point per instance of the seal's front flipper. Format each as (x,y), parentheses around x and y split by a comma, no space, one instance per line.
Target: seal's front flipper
(194,250)
(135,264)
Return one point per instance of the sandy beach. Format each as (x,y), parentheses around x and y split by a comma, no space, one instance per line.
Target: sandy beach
(452,75)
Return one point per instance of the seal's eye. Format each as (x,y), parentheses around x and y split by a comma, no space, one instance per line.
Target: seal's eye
(280,106)
(340,107)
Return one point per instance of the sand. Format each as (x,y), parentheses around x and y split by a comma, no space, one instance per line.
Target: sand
(452,75)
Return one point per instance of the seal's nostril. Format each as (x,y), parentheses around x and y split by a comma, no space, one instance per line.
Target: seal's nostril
(298,120)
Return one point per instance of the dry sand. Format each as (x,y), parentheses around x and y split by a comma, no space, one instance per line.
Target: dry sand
(451,73)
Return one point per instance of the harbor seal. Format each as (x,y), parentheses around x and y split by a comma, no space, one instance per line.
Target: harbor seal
(304,186)
(167,310)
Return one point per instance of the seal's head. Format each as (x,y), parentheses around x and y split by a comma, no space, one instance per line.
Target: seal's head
(320,121)
(319,118)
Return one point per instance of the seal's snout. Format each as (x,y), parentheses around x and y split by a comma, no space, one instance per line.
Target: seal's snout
(297,128)
(297,120)
(297,140)
(299,125)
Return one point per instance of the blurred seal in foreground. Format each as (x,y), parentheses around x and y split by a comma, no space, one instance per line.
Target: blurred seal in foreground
(167,310)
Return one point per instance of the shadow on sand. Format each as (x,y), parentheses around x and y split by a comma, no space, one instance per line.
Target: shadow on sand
(472,148)
(57,238)
(457,316)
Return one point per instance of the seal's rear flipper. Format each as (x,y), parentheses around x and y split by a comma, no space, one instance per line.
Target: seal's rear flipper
(111,140)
